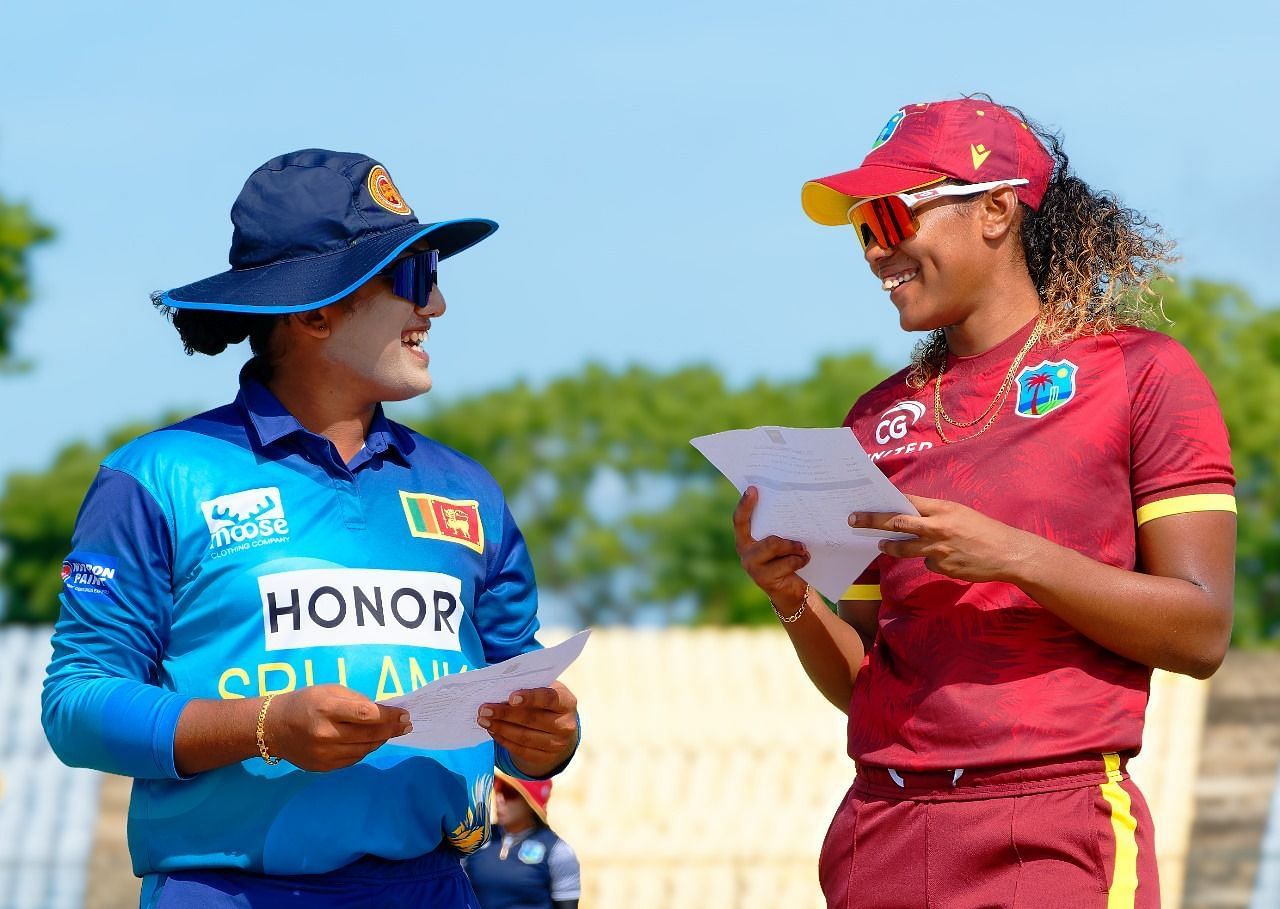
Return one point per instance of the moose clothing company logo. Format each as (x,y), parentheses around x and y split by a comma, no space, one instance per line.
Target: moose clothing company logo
(321,607)
(89,573)
(240,520)
(437,518)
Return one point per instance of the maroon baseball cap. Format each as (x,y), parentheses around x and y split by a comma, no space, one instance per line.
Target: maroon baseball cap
(968,140)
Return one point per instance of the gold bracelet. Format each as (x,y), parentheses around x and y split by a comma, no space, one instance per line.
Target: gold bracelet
(262,732)
(788,619)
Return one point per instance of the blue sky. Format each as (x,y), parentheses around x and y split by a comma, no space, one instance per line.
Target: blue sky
(644,161)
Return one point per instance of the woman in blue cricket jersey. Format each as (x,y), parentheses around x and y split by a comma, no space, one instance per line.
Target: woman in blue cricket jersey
(246,586)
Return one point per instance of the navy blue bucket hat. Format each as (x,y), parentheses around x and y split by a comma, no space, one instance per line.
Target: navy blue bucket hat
(310,228)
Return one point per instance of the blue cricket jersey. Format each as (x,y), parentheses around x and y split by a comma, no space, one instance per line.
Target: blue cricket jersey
(233,555)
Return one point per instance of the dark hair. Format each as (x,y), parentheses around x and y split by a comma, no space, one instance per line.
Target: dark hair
(1092,260)
(210,332)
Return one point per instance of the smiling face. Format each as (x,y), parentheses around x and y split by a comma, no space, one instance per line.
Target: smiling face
(376,341)
(934,278)
(961,259)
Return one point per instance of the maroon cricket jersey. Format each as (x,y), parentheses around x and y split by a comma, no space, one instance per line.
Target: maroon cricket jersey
(1097,436)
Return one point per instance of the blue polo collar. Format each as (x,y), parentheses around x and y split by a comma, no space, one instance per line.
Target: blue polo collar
(271,421)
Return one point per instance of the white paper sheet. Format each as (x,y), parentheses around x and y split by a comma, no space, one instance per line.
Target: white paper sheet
(810,481)
(444,712)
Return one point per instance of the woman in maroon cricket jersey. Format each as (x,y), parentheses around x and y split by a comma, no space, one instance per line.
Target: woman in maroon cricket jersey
(1076,528)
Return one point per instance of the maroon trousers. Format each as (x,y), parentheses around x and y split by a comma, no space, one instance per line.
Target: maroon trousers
(1068,835)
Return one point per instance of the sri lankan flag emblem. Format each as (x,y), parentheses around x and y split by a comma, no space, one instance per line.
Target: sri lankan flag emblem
(438,518)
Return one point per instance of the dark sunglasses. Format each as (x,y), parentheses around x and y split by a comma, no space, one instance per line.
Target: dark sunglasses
(413,278)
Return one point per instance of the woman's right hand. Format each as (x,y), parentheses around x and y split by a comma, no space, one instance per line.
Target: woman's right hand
(772,562)
(326,727)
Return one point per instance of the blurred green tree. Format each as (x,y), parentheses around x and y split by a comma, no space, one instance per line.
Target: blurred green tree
(37,514)
(620,511)
(19,232)
(1237,344)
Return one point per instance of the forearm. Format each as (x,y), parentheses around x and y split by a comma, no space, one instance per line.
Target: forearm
(214,733)
(507,762)
(110,724)
(1163,622)
(829,649)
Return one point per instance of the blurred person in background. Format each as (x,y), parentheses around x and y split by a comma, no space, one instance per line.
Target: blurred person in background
(244,586)
(524,864)
(1076,528)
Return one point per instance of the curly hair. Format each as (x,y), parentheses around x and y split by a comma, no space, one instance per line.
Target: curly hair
(1092,261)
(210,332)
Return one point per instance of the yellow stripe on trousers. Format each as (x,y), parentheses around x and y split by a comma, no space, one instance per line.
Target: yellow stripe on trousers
(1124,877)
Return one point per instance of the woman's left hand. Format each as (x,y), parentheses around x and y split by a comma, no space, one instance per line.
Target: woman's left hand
(953,540)
(538,726)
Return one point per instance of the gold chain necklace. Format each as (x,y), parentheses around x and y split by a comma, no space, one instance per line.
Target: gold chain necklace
(940,414)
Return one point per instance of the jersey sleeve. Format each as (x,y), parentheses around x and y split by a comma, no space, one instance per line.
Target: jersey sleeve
(506,617)
(506,614)
(1180,458)
(867,585)
(102,704)
(566,874)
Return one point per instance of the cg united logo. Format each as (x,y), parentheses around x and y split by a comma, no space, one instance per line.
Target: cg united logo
(1045,387)
(894,426)
(899,418)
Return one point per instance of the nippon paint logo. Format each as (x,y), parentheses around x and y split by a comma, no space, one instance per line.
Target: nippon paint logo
(254,517)
(321,607)
(88,573)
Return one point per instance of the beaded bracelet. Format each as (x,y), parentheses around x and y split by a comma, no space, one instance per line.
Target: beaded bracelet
(262,732)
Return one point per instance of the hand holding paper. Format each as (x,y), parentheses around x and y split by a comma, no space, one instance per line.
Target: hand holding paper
(809,481)
(445,713)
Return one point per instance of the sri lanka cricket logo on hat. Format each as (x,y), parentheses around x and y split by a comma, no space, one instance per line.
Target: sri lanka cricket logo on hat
(1045,388)
(384,192)
(434,517)
(889,129)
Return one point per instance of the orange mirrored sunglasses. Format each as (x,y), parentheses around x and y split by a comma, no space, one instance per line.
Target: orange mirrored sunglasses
(888,220)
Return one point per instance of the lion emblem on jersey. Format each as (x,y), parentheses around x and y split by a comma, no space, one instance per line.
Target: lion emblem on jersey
(435,517)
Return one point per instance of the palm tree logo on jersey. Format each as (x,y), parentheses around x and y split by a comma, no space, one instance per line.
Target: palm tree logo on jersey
(1045,387)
